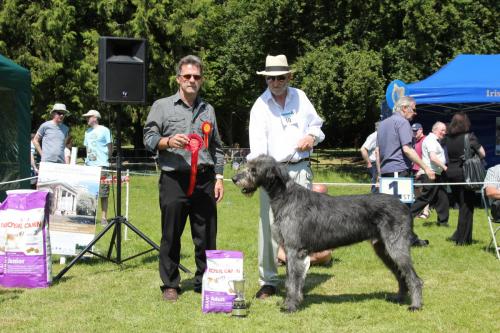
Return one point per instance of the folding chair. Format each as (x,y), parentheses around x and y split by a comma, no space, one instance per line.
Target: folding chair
(492,223)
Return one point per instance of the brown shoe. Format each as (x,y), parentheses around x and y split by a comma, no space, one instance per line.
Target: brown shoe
(265,291)
(170,294)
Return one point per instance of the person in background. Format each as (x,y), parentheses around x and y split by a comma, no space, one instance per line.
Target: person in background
(419,136)
(368,152)
(99,148)
(395,153)
(433,155)
(459,127)
(33,162)
(50,138)
(67,149)
(170,123)
(283,124)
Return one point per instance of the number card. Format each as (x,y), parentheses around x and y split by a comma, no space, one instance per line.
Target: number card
(402,187)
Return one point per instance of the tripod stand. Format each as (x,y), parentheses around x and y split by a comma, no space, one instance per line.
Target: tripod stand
(117,221)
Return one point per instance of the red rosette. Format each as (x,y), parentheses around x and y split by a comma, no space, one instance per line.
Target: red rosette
(194,145)
(206,128)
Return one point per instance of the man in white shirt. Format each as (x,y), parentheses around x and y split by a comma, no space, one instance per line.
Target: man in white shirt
(284,125)
(368,152)
(433,155)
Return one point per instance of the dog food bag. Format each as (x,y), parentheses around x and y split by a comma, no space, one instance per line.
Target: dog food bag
(222,267)
(24,240)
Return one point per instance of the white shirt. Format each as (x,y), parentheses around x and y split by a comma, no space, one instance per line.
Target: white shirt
(276,131)
(431,144)
(370,145)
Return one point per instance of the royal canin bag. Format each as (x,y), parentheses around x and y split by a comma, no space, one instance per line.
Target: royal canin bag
(474,171)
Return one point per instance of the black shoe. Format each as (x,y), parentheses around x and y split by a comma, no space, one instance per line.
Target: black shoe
(265,291)
(417,242)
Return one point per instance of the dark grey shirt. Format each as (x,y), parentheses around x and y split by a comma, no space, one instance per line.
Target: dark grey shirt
(53,139)
(169,116)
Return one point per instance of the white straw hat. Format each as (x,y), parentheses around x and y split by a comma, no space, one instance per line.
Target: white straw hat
(276,65)
(59,107)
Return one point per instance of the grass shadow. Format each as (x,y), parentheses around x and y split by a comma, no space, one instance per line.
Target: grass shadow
(310,299)
(9,294)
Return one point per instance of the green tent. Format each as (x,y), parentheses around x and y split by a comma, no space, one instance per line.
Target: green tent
(15,125)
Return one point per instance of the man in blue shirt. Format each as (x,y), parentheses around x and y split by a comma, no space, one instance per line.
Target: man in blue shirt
(99,149)
(394,147)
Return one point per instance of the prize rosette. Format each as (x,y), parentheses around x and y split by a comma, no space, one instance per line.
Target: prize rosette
(194,145)
(206,128)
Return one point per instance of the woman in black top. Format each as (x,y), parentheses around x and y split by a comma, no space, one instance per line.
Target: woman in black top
(459,126)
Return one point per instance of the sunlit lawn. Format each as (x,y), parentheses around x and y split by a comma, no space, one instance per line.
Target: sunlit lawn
(461,291)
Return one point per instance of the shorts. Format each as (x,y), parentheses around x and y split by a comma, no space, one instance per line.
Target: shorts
(104,187)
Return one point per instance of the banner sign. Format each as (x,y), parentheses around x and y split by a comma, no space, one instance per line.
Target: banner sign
(73,205)
(401,187)
(114,179)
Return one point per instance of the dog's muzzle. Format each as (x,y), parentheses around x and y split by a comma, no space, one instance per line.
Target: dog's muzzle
(241,180)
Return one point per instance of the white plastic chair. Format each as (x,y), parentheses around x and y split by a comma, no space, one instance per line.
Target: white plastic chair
(493,224)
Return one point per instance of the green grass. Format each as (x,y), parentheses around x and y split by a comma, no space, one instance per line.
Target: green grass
(460,293)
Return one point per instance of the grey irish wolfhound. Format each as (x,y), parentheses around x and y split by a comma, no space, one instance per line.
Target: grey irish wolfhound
(307,222)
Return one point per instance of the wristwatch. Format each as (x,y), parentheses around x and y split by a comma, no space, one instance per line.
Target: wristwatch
(315,138)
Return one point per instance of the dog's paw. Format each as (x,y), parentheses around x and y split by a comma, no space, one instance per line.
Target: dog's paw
(289,306)
(414,308)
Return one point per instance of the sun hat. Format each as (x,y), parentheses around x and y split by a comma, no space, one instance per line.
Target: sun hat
(276,65)
(92,113)
(416,126)
(59,107)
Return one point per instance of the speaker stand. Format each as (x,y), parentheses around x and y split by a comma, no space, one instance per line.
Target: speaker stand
(117,221)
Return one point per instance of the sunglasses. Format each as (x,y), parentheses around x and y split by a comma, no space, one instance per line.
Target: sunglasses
(280,78)
(59,113)
(189,76)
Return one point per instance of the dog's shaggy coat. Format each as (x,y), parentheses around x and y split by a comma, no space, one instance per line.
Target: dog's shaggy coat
(307,221)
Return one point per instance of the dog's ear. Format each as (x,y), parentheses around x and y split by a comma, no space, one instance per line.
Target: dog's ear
(280,173)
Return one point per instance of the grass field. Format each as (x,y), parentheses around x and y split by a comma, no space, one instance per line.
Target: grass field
(461,291)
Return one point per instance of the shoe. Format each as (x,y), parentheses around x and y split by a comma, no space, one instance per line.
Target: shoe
(443,224)
(417,242)
(265,291)
(170,295)
(104,222)
(280,263)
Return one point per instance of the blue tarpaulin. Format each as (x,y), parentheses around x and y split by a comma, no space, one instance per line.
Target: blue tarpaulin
(466,79)
(469,83)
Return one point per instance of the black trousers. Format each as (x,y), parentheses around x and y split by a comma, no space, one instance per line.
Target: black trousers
(404,173)
(176,207)
(434,195)
(465,199)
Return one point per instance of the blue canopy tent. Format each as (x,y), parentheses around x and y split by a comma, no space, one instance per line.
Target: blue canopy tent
(469,83)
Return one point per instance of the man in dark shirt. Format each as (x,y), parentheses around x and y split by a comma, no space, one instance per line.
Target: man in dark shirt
(169,129)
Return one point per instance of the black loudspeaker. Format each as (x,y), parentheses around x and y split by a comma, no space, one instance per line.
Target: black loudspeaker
(122,70)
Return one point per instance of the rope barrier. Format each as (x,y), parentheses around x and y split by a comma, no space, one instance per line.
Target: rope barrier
(320,183)
(18,180)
